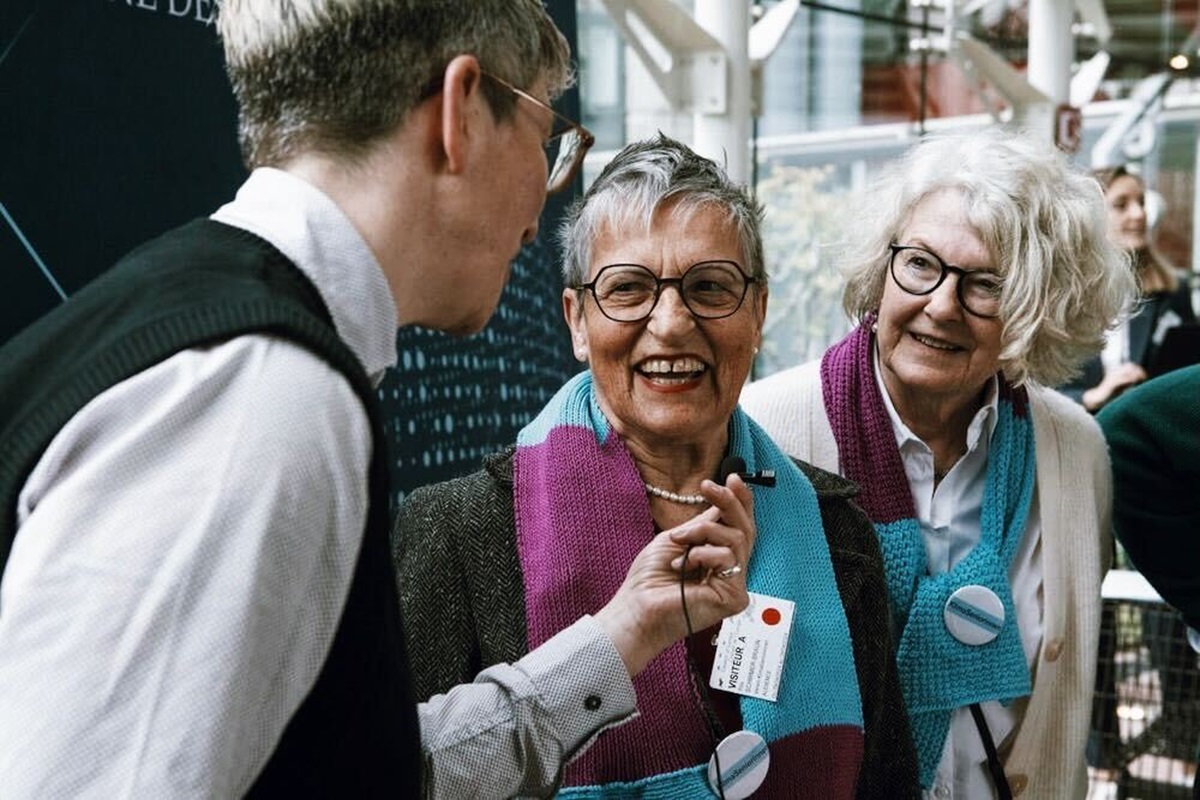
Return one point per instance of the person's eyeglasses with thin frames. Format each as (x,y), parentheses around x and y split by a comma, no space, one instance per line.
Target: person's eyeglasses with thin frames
(566,145)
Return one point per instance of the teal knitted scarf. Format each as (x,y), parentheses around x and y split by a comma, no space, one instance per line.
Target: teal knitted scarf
(582,515)
(939,674)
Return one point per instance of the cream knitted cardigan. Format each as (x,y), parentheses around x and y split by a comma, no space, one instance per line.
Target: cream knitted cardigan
(1074,485)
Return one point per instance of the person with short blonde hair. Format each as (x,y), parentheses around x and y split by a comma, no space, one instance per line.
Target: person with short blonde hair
(197,594)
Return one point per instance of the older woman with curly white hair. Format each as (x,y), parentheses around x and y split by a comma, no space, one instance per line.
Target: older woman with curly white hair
(986,275)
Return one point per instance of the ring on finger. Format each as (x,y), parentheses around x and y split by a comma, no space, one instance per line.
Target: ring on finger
(729,572)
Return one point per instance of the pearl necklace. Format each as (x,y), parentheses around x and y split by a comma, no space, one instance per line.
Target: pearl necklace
(686,499)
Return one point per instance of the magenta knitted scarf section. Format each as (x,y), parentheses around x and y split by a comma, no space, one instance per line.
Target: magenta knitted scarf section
(937,672)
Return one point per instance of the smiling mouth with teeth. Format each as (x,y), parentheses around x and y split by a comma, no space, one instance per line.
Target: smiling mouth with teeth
(672,370)
(934,343)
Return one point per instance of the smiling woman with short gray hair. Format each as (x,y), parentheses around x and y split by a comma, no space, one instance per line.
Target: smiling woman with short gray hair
(665,302)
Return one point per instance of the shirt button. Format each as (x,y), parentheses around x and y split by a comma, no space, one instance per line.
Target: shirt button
(1054,649)
(941,790)
(592,702)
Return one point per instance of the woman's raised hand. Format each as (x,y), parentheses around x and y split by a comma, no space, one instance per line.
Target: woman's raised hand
(646,614)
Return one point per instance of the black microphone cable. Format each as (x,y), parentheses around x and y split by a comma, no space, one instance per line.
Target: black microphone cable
(701,683)
(729,465)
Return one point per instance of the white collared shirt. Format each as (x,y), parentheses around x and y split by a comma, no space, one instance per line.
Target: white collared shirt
(950,524)
(185,545)
(191,534)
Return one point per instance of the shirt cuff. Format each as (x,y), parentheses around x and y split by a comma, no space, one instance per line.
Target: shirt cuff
(583,682)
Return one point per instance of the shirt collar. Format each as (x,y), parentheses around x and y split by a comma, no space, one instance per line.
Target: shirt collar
(982,424)
(308,227)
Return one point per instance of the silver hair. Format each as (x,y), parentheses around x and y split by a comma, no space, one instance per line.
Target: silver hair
(645,177)
(335,76)
(1044,223)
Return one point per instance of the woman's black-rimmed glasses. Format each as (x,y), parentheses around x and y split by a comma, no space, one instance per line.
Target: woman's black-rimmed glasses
(629,292)
(920,271)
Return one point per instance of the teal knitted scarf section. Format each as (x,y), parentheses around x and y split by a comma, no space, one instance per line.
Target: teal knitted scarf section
(938,673)
(582,515)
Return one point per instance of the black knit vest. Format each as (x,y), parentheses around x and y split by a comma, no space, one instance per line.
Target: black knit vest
(355,734)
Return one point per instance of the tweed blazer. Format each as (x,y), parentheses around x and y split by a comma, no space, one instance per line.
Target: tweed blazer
(1045,758)
(463,601)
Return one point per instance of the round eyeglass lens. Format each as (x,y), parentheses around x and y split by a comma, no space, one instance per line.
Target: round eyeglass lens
(980,292)
(916,270)
(713,289)
(626,292)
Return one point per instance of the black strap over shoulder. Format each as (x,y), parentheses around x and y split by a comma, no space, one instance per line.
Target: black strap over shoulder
(999,779)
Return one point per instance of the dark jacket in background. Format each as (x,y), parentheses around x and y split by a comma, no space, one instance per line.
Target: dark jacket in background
(1153,434)
(1142,345)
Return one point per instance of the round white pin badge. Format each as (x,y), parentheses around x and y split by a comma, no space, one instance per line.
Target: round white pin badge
(974,614)
(744,762)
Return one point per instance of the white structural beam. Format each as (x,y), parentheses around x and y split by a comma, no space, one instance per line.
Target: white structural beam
(725,137)
(685,60)
(1088,78)
(702,67)
(1093,15)
(1051,51)
(1133,134)
(1002,76)
(765,37)
(768,32)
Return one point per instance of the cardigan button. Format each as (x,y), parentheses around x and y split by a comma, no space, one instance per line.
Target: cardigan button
(1018,783)
(592,702)
(1054,649)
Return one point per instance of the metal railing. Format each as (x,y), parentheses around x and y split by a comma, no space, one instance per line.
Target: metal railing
(1146,713)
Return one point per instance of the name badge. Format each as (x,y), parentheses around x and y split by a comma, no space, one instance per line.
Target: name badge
(751,647)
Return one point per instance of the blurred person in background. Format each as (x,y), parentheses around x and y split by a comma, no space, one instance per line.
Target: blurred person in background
(1164,299)
(984,275)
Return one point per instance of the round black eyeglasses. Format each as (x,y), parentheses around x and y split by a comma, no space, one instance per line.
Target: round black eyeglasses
(920,271)
(629,292)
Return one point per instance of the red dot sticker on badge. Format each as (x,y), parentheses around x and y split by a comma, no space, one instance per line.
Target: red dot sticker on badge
(771,616)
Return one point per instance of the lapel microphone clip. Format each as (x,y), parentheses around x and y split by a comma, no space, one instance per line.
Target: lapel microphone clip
(735,464)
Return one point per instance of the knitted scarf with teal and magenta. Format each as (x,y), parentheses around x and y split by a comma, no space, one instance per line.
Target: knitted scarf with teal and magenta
(938,673)
(582,515)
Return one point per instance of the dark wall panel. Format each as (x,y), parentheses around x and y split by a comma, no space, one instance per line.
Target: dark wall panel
(116,123)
